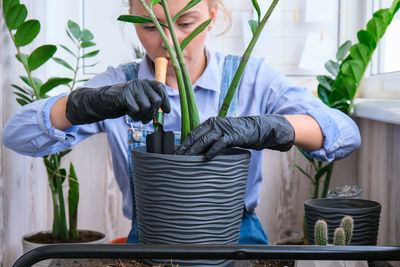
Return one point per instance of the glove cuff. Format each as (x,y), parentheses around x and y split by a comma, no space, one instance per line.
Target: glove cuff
(281,133)
(78,107)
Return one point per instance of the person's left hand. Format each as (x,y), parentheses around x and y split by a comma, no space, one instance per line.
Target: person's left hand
(257,132)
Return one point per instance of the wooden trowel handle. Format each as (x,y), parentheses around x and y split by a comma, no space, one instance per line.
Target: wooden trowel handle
(161,64)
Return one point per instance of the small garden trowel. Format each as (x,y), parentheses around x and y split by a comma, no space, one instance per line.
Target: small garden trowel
(160,141)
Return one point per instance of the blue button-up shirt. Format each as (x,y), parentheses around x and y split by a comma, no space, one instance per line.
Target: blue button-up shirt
(262,90)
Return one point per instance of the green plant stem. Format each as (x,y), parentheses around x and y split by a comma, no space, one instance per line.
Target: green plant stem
(28,72)
(394,5)
(185,122)
(63,222)
(327,180)
(316,189)
(243,62)
(193,111)
(76,68)
(56,214)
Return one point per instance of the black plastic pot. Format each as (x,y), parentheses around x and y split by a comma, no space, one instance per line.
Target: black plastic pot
(365,213)
(187,200)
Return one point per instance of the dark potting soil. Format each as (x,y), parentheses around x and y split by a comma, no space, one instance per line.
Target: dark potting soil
(134,263)
(47,238)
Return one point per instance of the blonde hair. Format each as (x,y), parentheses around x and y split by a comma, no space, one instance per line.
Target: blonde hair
(227,13)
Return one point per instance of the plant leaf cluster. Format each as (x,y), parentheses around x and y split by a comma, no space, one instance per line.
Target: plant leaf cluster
(22,33)
(189,111)
(339,90)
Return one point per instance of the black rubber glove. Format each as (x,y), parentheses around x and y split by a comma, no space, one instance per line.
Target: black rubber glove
(258,132)
(140,99)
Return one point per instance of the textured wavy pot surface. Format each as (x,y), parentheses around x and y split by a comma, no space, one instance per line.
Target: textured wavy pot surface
(185,199)
(366,214)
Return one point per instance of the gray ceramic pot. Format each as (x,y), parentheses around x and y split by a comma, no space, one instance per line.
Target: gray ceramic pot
(365,213)
(185,199)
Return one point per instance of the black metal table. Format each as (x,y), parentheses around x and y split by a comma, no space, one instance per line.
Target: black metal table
(234,252)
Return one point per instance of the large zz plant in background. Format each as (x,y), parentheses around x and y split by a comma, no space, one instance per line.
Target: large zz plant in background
(339,90)
(22,33)
(190,115)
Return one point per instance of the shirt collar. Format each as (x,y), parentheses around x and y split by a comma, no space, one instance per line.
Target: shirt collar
(209,80)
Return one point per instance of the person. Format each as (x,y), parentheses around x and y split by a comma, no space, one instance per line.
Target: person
(267,112)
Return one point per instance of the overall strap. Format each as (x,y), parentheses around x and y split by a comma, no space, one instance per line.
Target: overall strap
(230,66)
(130,70)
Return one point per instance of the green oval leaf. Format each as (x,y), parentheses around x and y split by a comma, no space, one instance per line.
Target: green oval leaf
(354,68)
(68,50)
(23,96)
(361,52)
(194,33)
(154,2)
(40,55)
(323,94)
(8,4)
(343,50)
(52,83)
(16,16)
(138,19)
(87,44)
(344,86)
(26,32)
(257,8)
(21,101)
(91,54)
(189,5)
(86,36)
(367,38)
(22,90)
(333,67)
(377,27)
(63,62)
(74,29)
(325,81)
(385,15)
(253,25)
(338,94)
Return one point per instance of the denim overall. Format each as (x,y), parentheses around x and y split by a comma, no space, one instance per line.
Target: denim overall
(251,231)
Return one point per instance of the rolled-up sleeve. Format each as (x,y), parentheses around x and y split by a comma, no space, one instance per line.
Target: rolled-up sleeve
(29,130)
(341,134)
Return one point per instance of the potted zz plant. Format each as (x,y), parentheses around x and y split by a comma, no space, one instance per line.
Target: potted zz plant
(186,199)
(23,32)
(339,90)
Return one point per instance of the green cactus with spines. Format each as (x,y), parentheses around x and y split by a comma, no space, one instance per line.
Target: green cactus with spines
(342,235)
(321,233)
(348,225)
(339,238)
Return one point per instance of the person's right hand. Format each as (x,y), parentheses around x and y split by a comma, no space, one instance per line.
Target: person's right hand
(140,99)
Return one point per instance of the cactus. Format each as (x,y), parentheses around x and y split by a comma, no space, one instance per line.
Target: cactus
(348,225)
(339,238)
(342,235)
(321,233)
